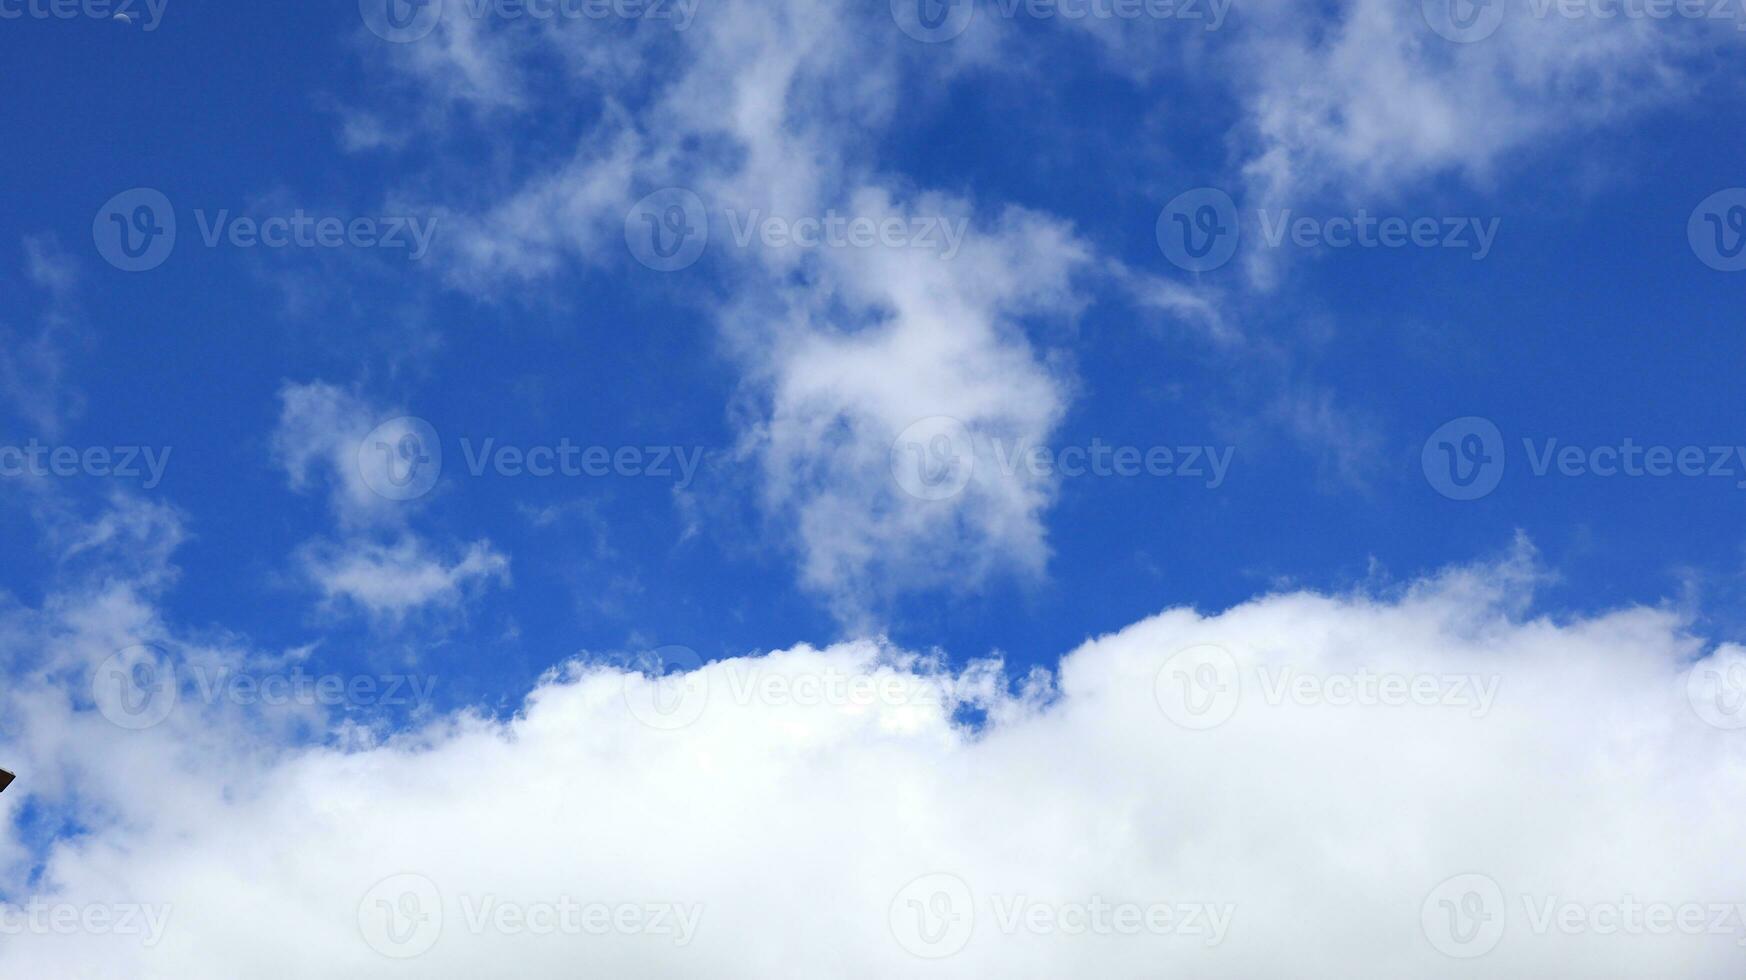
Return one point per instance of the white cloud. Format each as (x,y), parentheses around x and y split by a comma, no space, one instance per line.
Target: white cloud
(785,803)
(33,369)
(390,580)
(377,466)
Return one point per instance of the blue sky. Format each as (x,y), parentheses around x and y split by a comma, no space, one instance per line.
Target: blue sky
(1590,321)
(1583,161)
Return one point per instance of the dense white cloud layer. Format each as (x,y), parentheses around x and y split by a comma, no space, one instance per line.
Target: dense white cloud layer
(1284,788)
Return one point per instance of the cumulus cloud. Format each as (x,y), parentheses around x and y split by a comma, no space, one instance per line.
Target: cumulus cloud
(376,466)
(1356,785)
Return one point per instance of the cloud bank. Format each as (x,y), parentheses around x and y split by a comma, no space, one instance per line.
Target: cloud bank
(1422,783)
